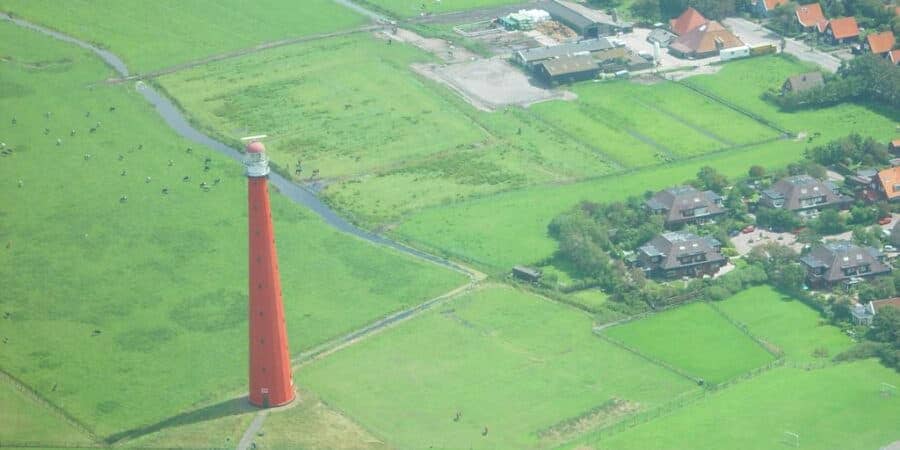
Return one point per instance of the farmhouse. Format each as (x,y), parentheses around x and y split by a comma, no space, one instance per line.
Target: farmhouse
(803,193)
(879,43)
(704,41)
(533,56)
(687,21)
(803,82)
(811,17)
(842,30)
(842,262)
(568,69)
(680,254)
(685,204)
(888,184)
(763,7)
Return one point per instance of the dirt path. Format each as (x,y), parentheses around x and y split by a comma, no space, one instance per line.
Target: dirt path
(247,439)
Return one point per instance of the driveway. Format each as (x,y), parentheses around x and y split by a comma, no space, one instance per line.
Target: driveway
(754,34)
(743,243)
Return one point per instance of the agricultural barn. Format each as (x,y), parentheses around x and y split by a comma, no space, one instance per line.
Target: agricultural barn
(704,41)
(803,193)
(663,37)
(687,21)
(811,17)
(533,56)
(620,58)
(879,43)
(763,7)
(585,21)
(842,262)
(568,69)
(842,30)
(803,82)
(679,254)
(685,204)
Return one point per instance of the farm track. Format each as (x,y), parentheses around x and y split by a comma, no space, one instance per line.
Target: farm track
(244,52)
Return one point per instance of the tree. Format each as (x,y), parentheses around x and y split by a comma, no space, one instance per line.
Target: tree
(779,219)
(877,288)
(886,326)
(757,171)
(829,222)
(647,10)
(862,214)
(789,277)
(711,179)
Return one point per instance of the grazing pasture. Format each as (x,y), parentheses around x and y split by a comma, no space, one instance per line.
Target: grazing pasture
(786,323)
(695,339)
(410,8)
(835,407)
(502,359)
(122,273)
(163,33)
(24,420)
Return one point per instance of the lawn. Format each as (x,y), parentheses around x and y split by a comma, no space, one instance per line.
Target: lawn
(793,327)
(410,8)
(835,407)
(163,33)
(696,339)
(26,421)
(109,301)
(743,83)
(514,363)
(499,231)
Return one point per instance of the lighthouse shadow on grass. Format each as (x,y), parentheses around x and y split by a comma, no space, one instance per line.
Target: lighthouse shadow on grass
(232,407)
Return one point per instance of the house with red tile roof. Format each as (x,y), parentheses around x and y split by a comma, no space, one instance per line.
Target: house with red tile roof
(894,56)
(889,183)
(811,17)
(687,21)
(842,30)
(763,7)
(880,43)
(704,41)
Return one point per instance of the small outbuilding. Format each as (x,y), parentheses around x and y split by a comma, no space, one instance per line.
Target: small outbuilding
(662,37)
(529,274)
(803,82)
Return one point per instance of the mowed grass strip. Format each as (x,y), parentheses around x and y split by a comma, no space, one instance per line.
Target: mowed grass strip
(164,33)
(127,305)
(785,322)
(503,359)
(696,339)
(836,407)
(743,83)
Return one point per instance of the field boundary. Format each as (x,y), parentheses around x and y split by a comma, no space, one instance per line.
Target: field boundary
(648,358)
(728,104)
(35,396)
(771,348)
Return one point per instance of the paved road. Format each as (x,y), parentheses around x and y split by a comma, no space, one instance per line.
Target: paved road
(754,34)
(255,426)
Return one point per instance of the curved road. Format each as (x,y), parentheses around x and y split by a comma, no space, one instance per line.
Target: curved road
(179,123)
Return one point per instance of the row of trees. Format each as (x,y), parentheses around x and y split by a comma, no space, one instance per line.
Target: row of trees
(659,10)
(866,79)
(850,150)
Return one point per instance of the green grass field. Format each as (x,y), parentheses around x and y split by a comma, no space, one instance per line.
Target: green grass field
(107,300)
(163,33)
(504,359)
(695,339)
(24,421)
(794,328)
(757,75)
(835,407)
(410,8)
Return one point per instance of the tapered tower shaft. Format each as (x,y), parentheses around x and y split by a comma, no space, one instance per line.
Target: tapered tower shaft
(271,379)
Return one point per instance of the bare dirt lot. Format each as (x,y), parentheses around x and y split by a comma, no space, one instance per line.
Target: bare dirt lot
(489,84)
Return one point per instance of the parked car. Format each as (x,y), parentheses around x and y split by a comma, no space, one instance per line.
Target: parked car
(884,220)
(889,248)
(748,229)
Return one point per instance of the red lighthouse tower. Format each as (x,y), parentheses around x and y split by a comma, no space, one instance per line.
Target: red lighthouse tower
(271,380)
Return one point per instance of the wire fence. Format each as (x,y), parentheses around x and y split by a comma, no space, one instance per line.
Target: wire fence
(772,349)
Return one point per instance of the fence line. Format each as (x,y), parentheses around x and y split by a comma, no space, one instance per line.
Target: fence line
(648,358)
(776,352)
(733,106)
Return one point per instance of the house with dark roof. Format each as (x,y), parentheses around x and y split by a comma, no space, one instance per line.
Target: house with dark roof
(680,254)
(879,43)
(763,7)
(704,41)
(533,56)
(687,21)
(803,82)
(842,30)
(803,193)
(685,204)
(811,17)
(842,263)
(568,69)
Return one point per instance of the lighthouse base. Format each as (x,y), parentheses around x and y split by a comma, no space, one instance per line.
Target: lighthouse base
(265,402)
